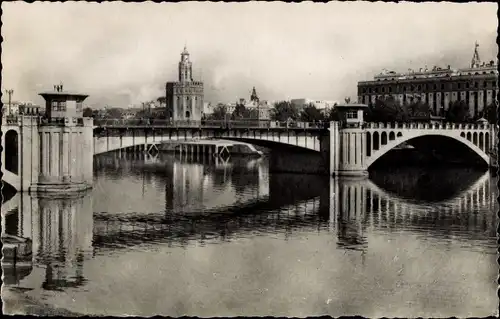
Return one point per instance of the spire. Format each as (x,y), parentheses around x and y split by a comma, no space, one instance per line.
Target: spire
(476,60)
(254,96)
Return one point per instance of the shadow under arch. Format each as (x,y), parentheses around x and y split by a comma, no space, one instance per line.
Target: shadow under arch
(273,145)
(434,149)
(424,184)
(12,151)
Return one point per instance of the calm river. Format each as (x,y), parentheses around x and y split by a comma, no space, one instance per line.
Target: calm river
(210,237)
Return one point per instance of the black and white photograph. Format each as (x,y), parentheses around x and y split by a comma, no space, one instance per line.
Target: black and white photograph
(224,159)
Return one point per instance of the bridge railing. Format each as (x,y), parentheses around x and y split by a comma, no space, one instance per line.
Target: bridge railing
(130,123)
(427,126)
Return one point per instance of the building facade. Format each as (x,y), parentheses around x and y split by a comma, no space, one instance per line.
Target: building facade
(476,85)
(184,99)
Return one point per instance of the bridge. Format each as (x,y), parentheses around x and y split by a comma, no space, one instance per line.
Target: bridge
(52,156)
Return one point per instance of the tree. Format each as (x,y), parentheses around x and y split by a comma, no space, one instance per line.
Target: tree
(416,109)
(311,114)
(162,100)
(386,110)
(458,112)
(333,114)
(283,111)
(240,112)
(219,113)
(490,113)
(87,112)
(114,113)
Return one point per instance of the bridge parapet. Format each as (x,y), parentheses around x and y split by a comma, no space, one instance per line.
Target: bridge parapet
(427,126)
(141,123)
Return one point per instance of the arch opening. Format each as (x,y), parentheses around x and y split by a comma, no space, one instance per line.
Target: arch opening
(188,115)
(12,152)
(487,143)
(429,150)
(376,144)
(368,144)
(481,141)
(474,138)
(392,137)
(399,134)
(383,138)
(469,137)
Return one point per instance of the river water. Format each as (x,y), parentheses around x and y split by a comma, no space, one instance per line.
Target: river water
(228,237)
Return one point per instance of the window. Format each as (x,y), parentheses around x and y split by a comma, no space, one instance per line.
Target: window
(419,87)
(467,85)
(54,106)
(435,87)
(442,86)
(79,106)
(476,85)
(352,115)
(390,90)
(404,88)
(459,86)
(383,90)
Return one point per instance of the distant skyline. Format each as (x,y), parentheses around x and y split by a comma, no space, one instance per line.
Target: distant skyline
(124,53)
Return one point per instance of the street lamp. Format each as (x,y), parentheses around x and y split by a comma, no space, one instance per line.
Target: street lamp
(9,92)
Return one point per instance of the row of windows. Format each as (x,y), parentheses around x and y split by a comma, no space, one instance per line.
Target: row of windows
(58,106)
(420,87)
(187,98)
(433,100)
(61,106)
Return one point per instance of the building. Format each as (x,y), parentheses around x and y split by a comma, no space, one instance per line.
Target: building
(184,99)
(476,85)
(261,108)
(62,104)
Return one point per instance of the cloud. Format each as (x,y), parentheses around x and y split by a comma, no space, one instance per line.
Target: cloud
(123,54)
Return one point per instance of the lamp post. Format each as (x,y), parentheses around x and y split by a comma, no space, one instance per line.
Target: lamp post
(9,92)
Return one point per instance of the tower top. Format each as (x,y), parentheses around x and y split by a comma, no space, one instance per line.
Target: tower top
(185,51)
(254,96)
(476,60)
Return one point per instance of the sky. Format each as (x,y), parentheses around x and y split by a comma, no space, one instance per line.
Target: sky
(122,54)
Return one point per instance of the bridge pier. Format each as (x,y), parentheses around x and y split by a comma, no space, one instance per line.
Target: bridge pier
(65,158)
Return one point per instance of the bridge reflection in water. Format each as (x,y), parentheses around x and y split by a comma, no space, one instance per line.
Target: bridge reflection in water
(139,202)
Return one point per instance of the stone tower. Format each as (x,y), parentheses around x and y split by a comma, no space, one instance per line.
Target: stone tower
(184,98)
(476,60)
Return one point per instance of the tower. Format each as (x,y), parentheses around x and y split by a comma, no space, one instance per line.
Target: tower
(476,60)
(185,67)
(254,97)
(65,144)
(184,98)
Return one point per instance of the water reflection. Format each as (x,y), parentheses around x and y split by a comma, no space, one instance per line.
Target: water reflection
(145,208)
(61,234)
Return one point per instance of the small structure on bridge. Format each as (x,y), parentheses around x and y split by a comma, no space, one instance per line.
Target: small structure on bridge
(53,153)
(347,151)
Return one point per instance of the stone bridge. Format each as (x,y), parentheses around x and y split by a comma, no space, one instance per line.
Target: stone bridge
(383,137)
(41,155)
(115,137)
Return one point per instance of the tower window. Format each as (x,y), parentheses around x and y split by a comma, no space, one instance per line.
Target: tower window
(442,86)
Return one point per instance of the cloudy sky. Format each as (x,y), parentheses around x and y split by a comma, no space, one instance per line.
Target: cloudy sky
(123,53)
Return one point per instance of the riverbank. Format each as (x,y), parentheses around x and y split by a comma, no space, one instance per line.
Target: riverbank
(17,302)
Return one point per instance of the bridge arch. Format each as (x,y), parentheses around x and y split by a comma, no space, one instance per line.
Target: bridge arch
(12,151)
(376,154)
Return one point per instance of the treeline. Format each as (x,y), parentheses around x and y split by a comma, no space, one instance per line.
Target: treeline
(281,111)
